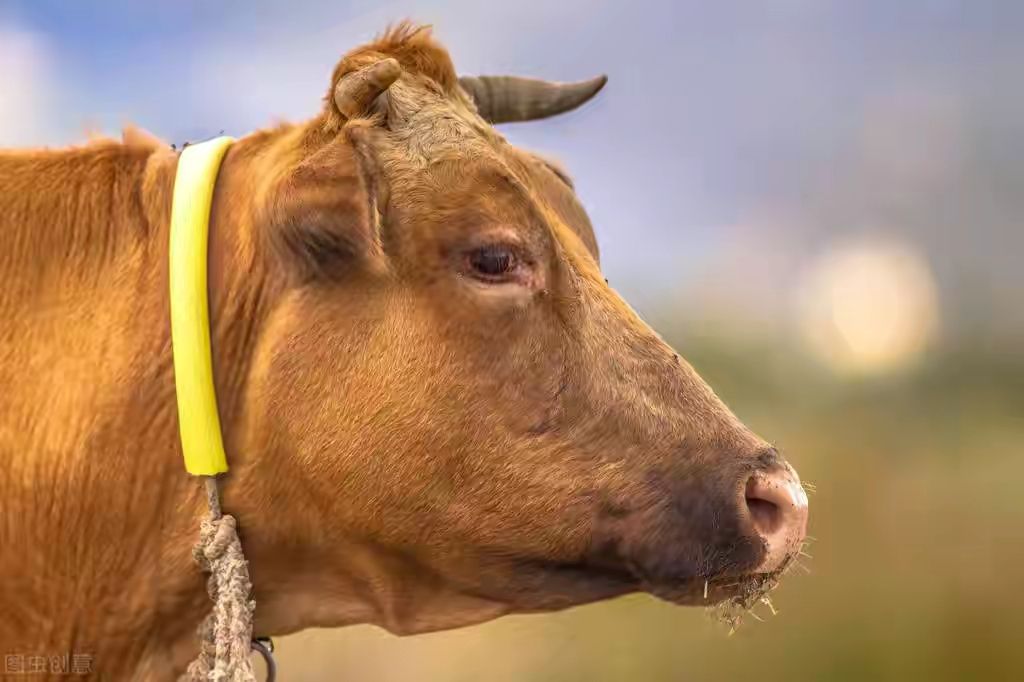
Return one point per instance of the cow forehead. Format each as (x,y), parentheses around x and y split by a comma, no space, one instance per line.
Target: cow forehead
(429,125)
(515,188)
(437,137)
(551,188)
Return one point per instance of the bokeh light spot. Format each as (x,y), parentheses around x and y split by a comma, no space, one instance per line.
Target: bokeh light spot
(868,306)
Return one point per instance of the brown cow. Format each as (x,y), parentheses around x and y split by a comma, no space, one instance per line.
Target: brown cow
(435,408)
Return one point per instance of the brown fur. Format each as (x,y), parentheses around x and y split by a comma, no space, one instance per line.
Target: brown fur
(409,447)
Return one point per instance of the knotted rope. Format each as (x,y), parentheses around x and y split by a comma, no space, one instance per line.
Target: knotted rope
(226,634)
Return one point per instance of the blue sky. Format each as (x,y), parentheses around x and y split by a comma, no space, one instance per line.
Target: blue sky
(733,141)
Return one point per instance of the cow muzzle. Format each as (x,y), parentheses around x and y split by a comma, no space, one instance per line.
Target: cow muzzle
(708,538)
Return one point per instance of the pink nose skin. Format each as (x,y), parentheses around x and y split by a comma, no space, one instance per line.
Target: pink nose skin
(778,507)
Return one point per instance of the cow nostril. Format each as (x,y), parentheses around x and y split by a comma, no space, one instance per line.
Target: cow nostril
(768,501)
(766,515)
(778,512)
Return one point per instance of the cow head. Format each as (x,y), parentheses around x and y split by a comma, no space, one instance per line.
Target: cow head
(451,415)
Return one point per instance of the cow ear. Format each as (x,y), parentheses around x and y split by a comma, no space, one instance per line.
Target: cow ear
(324,211)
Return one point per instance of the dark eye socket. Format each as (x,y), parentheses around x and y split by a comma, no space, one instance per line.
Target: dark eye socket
(492,262)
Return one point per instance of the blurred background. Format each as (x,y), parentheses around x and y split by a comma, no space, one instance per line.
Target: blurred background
(817,202)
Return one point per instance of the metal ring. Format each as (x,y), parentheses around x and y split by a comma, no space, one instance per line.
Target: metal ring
(266,641)
(265,647)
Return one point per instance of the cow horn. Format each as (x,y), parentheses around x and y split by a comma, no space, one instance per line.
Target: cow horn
(356,91)
(504,99)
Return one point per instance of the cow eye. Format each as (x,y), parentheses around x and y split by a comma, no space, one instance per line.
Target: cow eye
(492,263)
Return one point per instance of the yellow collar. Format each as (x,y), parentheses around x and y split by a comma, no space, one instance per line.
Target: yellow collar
(199,423)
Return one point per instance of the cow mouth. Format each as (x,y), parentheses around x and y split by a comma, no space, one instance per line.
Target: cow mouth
(743,591)
(730,594)
(728,599)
